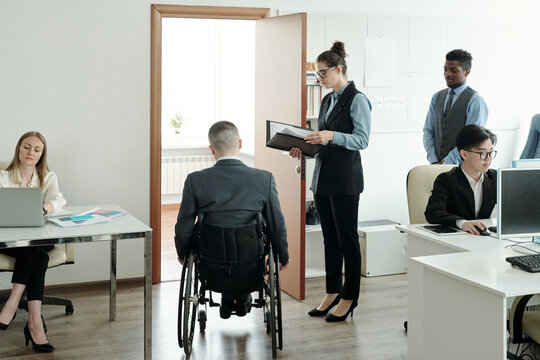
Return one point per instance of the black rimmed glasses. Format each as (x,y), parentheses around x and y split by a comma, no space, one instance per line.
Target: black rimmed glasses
(484,154)
(324,73)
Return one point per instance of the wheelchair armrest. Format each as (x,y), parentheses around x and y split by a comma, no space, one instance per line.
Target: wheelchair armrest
(516,318)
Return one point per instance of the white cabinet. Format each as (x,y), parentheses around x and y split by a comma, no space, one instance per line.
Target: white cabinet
(383,248)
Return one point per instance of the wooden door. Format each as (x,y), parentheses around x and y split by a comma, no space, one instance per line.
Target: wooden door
(280,95)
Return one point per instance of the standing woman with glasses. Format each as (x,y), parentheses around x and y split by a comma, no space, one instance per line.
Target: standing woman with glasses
(344,128)
(472,182)
(29,169)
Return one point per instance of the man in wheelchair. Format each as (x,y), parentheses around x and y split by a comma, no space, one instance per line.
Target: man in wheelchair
(227,198)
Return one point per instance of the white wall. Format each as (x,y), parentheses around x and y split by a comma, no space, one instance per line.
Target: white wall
(79,71)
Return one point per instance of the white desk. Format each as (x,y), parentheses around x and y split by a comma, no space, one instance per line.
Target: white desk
(457,301)
(120,228)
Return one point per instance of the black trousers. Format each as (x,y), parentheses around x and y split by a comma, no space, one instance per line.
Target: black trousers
(339,223)
(30,267)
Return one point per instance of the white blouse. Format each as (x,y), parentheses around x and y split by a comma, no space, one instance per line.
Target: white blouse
(50,192)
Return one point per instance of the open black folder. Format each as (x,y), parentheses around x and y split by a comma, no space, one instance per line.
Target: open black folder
(284,137)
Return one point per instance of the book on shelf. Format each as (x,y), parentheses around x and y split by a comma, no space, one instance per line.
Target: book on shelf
(313,100)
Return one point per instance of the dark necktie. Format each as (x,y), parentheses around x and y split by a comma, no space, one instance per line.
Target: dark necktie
(449,102)
(333,101)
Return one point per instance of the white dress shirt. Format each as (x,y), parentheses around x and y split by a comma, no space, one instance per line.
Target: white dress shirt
(477,188)
(50,193)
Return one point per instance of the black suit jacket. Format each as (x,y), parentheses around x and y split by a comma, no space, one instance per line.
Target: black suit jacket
(229,194)
(452,198)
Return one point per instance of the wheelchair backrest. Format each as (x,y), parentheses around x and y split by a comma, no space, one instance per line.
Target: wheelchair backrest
(236,245)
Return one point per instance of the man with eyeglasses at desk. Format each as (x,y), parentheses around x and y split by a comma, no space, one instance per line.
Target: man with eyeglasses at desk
(467,192)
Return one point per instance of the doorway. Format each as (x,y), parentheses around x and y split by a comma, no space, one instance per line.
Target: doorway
(205,78)
(280,94)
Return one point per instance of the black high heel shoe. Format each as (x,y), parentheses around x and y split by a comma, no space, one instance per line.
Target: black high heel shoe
(317,312)
(44,348)
(5,326)
(334,318)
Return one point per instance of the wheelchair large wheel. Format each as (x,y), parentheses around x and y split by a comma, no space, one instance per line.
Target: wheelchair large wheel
(274,314)
(188,305)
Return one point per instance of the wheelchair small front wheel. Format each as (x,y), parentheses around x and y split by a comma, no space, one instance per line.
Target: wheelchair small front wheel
(202,320)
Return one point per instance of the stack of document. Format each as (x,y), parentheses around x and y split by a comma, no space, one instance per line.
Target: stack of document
(90,217)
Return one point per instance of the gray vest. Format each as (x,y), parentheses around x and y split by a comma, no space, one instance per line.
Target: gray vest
(447,128)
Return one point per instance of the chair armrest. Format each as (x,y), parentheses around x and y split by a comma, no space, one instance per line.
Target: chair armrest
(516,318)
(70,252)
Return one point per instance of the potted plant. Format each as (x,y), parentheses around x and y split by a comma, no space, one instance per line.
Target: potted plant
(176,122)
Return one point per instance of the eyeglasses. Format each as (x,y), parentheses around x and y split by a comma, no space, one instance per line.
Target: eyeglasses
(484,154)
(323,73)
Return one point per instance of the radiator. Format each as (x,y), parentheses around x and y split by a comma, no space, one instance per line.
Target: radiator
(175,169)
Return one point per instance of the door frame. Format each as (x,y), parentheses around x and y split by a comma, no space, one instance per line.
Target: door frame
(158,12)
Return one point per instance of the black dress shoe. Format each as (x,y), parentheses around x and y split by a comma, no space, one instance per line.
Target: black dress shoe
(5,326)
(226,308)
(334,318)
(244,307)
(225,311)
(316,312)
(44,348)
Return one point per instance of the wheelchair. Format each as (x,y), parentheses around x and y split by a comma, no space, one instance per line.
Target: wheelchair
(207,269)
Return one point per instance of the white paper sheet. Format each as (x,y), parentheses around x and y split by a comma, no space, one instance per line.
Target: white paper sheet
(380,62)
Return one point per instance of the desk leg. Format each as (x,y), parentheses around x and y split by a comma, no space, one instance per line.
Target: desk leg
(148,296)
(112,297)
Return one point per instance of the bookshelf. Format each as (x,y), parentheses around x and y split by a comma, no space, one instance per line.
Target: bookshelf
(313,99)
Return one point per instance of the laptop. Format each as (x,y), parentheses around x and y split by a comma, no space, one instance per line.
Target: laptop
(21,207)
(442,230)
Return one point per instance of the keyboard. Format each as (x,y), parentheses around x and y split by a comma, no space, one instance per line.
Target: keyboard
(530,263)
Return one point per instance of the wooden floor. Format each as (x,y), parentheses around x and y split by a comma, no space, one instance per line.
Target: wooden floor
(375,332)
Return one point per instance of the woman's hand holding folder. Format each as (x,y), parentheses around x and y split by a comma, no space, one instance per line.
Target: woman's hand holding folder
(320,137)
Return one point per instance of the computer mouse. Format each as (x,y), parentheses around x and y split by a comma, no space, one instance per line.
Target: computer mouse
(483,232)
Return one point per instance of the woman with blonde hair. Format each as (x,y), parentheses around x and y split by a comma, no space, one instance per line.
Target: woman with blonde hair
(29,169)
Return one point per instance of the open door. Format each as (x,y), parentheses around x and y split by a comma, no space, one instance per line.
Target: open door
(280,95)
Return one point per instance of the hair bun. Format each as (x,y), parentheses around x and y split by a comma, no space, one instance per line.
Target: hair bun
(338,47)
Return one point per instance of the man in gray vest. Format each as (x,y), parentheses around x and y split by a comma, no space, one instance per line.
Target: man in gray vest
(452,109)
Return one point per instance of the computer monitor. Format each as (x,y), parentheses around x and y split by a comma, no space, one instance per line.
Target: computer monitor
(518,200)
(526,163)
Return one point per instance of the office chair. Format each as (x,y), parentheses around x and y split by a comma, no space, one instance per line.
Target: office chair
(59,255)
(420,181)
(524,328)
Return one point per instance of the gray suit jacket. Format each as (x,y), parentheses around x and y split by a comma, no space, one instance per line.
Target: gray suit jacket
(532,147)
(229,194)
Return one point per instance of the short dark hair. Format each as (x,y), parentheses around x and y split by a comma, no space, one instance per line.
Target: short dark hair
(223,136)
(463,57)
(472,136)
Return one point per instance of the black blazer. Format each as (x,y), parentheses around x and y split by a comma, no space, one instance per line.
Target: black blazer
(452,198)
(230,193)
